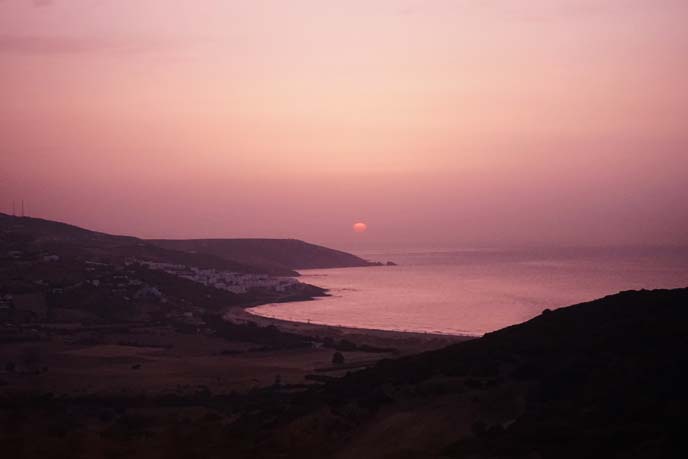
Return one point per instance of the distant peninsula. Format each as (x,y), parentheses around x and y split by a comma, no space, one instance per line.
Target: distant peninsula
(265,256)
(53,270)
(271,255)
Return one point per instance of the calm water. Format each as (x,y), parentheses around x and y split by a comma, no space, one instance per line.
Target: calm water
(476,291)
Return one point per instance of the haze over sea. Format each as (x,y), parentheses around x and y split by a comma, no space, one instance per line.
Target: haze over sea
(477,291)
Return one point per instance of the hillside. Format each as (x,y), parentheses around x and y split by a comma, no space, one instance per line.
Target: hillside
(38,236)
(268,253)
(280,257)
(52,271)
(606,378)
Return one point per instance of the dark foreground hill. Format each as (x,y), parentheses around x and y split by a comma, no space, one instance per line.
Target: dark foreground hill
(268,253)
(603,379)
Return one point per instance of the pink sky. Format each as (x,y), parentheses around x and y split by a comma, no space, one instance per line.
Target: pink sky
(441,122)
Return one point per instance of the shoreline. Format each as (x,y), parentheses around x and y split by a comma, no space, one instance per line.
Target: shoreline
(404,341)
(240,314)
(360,329)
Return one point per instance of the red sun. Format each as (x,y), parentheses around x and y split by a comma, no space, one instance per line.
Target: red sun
(360,227)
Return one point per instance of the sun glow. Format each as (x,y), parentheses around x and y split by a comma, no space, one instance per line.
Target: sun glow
(360,227)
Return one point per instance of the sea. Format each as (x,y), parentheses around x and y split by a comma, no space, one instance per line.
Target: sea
(475,291)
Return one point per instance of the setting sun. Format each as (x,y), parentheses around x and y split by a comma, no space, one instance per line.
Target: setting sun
(360,227)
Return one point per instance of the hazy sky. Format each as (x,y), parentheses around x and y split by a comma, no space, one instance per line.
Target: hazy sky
(492,122)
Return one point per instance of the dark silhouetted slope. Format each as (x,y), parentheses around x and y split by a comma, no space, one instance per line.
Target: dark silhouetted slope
(35,235)
(268,253)
(606,378)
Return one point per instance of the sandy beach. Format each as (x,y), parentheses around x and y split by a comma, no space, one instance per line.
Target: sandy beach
(403,341)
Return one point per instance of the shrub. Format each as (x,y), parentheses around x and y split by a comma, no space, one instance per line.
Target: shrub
(31,356)
(478,428)
(338,358)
